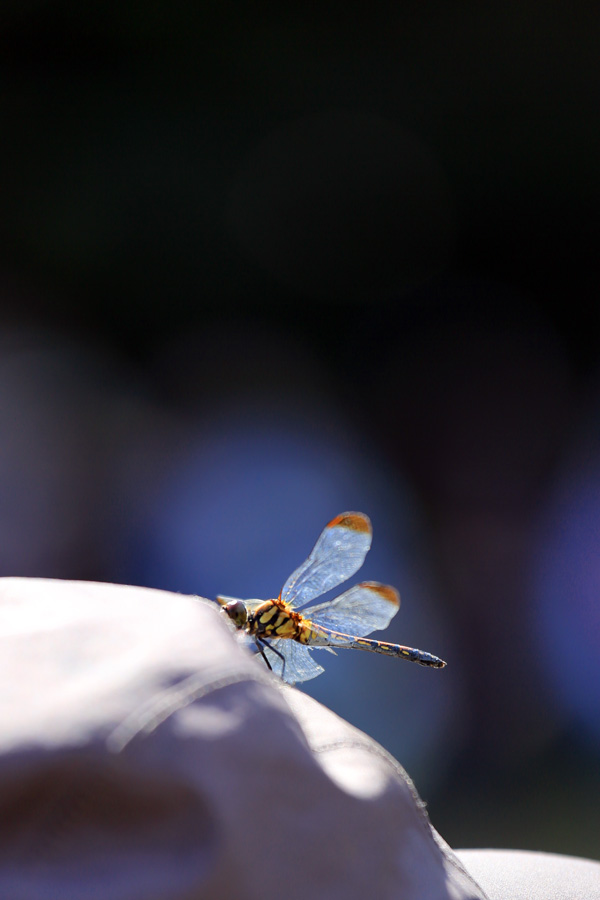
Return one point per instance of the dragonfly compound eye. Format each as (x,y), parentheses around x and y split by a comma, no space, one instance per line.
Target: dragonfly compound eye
(236,610)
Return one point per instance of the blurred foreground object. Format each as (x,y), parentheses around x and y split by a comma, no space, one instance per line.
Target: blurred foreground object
(145,755)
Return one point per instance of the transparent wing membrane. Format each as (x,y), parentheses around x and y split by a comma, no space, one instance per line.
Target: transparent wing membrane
(299,663)
(339,552)
(366,607)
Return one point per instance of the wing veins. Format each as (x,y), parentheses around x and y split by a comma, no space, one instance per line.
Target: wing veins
(338,553)
(366,607)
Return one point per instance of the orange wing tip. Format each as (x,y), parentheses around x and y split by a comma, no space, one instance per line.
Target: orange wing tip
(383,590)
(352,520)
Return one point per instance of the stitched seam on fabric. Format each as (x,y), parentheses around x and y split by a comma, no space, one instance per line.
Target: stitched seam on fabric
(456,863)
(165,703)
(381,753)
(399,771)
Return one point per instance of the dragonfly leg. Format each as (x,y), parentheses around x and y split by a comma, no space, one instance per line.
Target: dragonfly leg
(261,644)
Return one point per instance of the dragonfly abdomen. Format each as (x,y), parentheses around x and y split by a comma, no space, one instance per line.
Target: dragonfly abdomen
(313,636)
(410,653)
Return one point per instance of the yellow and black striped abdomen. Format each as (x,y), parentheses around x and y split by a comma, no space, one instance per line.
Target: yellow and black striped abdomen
(316,636)
(348,642)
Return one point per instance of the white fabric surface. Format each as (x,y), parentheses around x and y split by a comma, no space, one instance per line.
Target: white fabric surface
(525,875)
(144,756)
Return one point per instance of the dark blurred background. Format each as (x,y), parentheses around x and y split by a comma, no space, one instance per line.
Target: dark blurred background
(260,266)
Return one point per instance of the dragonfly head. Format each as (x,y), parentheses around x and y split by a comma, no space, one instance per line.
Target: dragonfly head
(237,612)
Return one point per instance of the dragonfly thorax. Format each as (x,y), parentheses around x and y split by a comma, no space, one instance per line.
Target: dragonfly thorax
(274,619)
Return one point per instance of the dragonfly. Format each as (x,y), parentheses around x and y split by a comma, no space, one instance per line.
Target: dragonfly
(286,630)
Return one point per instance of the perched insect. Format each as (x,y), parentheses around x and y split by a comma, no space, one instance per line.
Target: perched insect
(285,637)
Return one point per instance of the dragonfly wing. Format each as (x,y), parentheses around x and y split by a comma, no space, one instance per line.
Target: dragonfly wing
(366,607)
(338,554)
(299,663)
